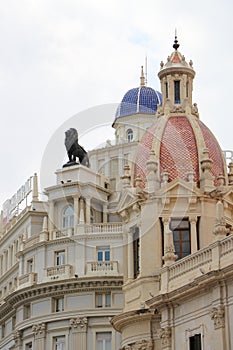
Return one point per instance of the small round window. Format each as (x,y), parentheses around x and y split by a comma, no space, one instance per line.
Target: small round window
(129,135)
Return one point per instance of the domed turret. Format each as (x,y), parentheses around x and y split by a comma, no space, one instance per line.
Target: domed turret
(178,138)
(136,112)
(142,99)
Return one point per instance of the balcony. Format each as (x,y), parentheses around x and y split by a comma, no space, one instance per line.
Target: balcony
(60,272)
(215,257)
(27,280)
(114,227)
(102,268)
(62,233)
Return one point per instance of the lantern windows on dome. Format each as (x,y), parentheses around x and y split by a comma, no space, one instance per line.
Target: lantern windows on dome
(176,91)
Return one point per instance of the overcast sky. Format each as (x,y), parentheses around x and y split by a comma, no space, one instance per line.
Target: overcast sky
(61,57)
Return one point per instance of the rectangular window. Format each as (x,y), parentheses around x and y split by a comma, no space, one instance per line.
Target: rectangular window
(26,311)
(103,253)
(166,89)
(187,89)
(58,304)
(59,343)
(28,346)
(136,243)
(104,341)
(30,266)
(177,91)
(195,342)
(181,237)
(60,258)
(103,300)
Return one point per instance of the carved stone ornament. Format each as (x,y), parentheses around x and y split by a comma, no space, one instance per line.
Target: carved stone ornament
(39,330)
(79,323)
(217,314)
(139,345)
(165,335)
(18,337)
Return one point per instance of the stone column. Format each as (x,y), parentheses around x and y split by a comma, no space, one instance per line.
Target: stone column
(105,214)
(79,332)
(193,222)
(169,250)
(88,210)
(76,212)
(51,219)
(39,331)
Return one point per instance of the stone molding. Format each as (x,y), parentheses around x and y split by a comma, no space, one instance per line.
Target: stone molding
(143,344)
(79,324)
(217,314)
(39,330)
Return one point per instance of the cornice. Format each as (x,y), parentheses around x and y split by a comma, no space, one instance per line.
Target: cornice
(201,284)
(80,285)
(131,317)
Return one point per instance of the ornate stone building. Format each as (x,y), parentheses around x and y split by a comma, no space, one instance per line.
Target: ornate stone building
(135,252)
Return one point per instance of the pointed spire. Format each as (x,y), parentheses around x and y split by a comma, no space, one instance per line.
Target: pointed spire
(176,45)
(142,78)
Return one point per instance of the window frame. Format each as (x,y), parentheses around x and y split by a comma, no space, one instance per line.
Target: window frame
(177,91)
(104,250)
(57,343)
(68,218)
(60,254)
(103,346)
(101,300)
(197,342)
(177,228)
(55,304)
(129,135)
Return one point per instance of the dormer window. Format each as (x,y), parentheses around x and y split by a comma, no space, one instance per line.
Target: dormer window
(177,91)
(129,135)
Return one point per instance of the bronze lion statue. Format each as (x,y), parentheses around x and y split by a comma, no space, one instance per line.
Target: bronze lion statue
(74,150)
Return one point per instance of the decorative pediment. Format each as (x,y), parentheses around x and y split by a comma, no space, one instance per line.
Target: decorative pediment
(179,188)
(127,199)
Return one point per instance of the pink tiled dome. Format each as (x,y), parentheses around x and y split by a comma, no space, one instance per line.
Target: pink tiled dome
(178,143)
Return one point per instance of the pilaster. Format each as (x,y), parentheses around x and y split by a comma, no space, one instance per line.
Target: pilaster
(79,332)
(39,331)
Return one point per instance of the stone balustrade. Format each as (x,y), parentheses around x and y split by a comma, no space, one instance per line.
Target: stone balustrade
(58,272)
(104,228)
(27,279)
(100,268)
(214,257)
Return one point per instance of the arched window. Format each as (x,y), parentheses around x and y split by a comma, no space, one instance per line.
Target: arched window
(129,135)
(68,217)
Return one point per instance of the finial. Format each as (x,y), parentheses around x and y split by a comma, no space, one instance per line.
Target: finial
(176,45)
(142,78)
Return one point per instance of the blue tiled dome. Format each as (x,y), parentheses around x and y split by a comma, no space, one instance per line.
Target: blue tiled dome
(142,99)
